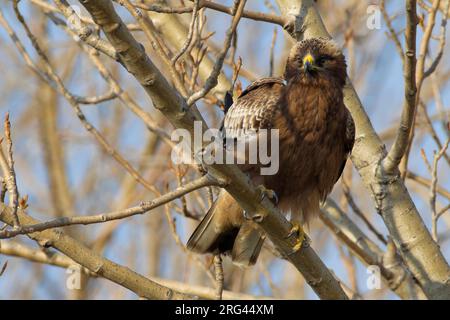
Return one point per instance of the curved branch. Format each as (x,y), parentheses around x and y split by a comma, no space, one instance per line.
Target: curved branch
(400,145)
(14,249)
(144,207)
(94,262)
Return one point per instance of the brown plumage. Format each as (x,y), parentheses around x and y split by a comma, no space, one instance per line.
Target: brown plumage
(316,136)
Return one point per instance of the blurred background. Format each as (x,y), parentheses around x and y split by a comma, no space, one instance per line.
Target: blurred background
(64,171)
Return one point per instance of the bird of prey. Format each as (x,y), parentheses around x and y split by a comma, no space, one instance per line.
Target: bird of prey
(316,136)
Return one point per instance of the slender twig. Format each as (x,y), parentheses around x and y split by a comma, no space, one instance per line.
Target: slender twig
(53,78)
(443,210)
(264,268)
(360,214)
(10,173)
(348,262)
(158,8)
(144,207)
(150,31)
(425,160)
(96,99)
(83,30)
(188,41)
(420,77)
(212,81)
(190,255)
(442,38)
(3,268)
(392,32)
(432,198)
(272,52)
(201,54)
(427,183)
(431,129)
(257,16)
(442,114)
(218,271)
(399,147)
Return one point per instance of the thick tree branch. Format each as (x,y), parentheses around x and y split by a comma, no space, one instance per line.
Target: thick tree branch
(91,260)
(59,260)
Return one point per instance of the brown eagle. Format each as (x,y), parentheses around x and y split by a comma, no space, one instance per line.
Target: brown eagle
(316,135)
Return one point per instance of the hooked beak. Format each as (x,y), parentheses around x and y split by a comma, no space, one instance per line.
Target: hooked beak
(308,63)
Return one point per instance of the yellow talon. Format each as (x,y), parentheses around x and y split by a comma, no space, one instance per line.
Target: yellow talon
(300,235)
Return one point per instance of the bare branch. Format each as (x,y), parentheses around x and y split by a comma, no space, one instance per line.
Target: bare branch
(3,268)
(7,165)
(190,34)
(443,210)
(360,214)
(197,259)
(121,214)
(427,183)
(59,260)
(212,81)
(218,270)
(392,32)
(400,145)
(257,16)
(97,99)
(432,198)
(272,50)
(420,77)
(431,129)
(53,78)
(442,38)
(94,262)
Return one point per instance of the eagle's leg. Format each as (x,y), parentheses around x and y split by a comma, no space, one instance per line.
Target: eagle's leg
(267,193)
(299,234)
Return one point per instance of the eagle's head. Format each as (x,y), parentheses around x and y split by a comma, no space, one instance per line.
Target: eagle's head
(316,62)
